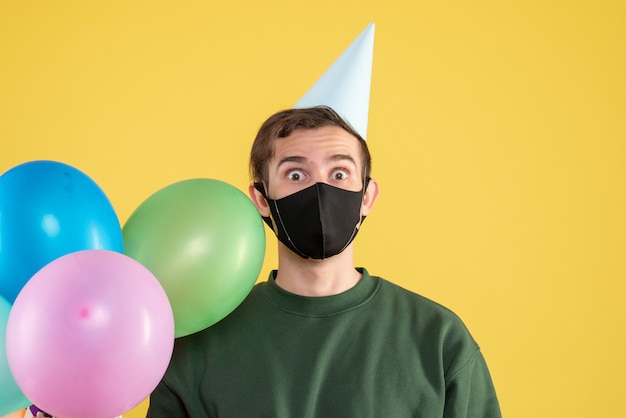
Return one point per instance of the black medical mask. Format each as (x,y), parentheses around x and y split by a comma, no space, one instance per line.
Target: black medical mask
(317,222)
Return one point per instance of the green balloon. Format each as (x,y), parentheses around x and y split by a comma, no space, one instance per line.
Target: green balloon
(11,396)
(204,240)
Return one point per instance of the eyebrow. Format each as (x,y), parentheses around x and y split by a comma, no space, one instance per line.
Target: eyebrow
(291,159)
(300,159)
(342,157)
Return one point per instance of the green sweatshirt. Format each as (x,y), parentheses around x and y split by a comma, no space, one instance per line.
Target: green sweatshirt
(376,350)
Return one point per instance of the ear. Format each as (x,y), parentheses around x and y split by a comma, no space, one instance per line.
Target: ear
(259,201)
(369,197)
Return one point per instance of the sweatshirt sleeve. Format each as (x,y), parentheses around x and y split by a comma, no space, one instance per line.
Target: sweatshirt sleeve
(470,392)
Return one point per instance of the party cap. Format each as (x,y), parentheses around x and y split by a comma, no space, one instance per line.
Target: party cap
(345,86)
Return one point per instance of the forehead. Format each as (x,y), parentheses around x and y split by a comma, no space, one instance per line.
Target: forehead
(317,144)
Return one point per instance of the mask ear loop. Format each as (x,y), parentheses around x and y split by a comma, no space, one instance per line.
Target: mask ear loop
(261,188)
(366,182)
(268,220)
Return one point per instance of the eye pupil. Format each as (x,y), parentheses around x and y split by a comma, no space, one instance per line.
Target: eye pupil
(295,176)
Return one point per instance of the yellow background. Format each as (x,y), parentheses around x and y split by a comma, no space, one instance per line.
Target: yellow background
(498,132)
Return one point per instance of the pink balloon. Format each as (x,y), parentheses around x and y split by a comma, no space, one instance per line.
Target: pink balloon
(90,335)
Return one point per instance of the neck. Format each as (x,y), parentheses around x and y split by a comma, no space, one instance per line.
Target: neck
(309,277)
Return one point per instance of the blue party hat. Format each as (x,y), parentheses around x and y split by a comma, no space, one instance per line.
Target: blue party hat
(345,86)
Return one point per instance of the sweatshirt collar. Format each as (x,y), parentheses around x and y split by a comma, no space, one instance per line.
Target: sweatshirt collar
(321,306)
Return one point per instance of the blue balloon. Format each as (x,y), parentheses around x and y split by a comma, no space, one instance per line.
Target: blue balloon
(11,396)
(49,209)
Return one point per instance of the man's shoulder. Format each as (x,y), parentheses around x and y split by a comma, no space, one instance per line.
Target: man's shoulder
(419,306)
(396,290)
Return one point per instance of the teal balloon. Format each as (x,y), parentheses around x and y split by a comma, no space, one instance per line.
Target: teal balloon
(204,241)
(49,209)
(11,396)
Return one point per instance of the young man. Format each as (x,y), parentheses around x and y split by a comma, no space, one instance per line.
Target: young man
(322,338)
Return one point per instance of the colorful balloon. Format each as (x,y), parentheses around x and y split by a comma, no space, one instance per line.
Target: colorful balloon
(204,241)
(17,414)
(11,397)
(49,209)
(90,335)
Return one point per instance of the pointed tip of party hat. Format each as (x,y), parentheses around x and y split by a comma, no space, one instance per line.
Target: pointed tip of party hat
(345,86)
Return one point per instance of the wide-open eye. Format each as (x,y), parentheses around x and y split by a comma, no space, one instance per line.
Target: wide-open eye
(295,175)
(339,174)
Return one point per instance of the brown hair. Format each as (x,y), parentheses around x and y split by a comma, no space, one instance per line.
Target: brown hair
(285,122)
